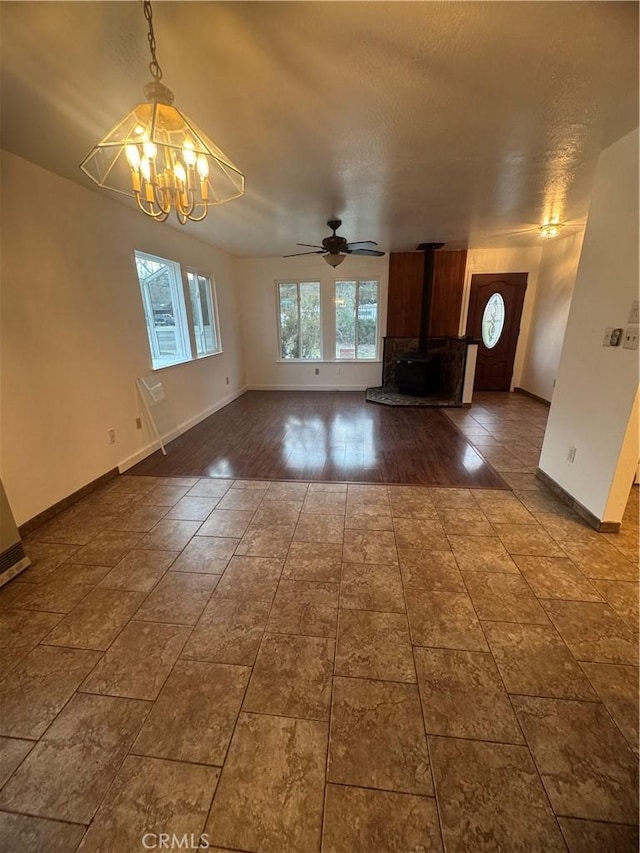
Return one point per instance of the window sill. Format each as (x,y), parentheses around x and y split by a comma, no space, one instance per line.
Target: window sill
(185,361)
(356,361)
(319,362)
(208,355)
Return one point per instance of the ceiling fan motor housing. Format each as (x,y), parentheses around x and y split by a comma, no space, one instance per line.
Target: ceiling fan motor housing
(334,244)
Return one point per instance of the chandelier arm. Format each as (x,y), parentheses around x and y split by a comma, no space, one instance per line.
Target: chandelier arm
(193,218)
(159,216)
(162,199)
(191,195)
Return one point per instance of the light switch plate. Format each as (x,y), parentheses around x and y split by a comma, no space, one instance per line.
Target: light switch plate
(616,337)
(606,341)
(631,337)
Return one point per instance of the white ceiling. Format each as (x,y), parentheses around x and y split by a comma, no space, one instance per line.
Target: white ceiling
(418,121)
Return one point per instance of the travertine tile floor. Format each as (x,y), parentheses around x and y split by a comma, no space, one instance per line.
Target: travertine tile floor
(353,669)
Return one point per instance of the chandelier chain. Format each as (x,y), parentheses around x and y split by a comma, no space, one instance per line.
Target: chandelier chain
(155,69)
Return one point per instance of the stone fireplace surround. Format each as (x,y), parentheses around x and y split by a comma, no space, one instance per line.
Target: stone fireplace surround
(452,357)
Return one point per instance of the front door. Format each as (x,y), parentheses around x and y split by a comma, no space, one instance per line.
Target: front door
(495,308)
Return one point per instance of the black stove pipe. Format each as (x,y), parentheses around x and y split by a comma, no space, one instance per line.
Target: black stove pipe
(429,250)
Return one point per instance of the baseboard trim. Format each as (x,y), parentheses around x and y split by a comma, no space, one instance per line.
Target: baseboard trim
(132,460)
(306,388)
(591,519)
(532,395)
(56,508)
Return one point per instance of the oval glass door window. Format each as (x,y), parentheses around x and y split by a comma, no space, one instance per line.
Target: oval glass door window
(493,320)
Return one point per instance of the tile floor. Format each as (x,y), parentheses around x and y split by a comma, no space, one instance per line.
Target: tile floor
(293,667)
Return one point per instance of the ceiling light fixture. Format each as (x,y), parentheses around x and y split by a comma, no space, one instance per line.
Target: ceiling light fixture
(334,260)
(550,229)
(158,155)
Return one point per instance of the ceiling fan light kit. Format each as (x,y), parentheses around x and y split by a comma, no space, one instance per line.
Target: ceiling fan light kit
(335,249)
(161,157)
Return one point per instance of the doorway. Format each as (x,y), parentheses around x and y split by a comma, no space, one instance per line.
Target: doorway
(495,309)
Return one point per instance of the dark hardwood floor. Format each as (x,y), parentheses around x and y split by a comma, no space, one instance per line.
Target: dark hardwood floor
(324,436)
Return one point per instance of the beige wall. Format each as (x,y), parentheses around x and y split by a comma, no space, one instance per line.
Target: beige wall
(74,339)
(594,404)
(257,279)
(556,279)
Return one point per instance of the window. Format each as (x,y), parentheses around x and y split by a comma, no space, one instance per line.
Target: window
(493,320)
(356,319)
(176,329)
(204,316)
(300,321)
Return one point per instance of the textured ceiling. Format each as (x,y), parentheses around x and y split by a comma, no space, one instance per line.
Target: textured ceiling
(420,121)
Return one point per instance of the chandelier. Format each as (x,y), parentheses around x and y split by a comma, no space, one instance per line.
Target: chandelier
(161,157)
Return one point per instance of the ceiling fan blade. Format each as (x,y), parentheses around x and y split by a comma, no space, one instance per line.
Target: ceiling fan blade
(297,254)
(362,244)
(372,252)
(310,245)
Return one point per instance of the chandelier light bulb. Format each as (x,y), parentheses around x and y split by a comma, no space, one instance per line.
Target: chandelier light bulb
(133,156)
(203,167)
(150,150)
(189,154)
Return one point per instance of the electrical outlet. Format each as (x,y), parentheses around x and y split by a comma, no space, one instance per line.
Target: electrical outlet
(631,338)
(111,436)
(138,423)
(606,341)
(634,313)
(571,455)
(317,371)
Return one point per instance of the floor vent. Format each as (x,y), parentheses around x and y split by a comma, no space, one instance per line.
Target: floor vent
(12,562)
(12,557)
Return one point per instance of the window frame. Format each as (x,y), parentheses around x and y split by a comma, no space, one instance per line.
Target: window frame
(183,310)
(356,360)
(215,323)
(298,282)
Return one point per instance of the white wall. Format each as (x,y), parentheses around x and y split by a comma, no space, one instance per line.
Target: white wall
(522,259)
(257,279)
(597,386)
(74,338)
(556,279)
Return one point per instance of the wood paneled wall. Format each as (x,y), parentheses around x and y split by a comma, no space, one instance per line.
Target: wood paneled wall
(406,271)
(448,287)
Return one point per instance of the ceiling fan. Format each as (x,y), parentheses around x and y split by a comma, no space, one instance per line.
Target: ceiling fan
(335,249)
